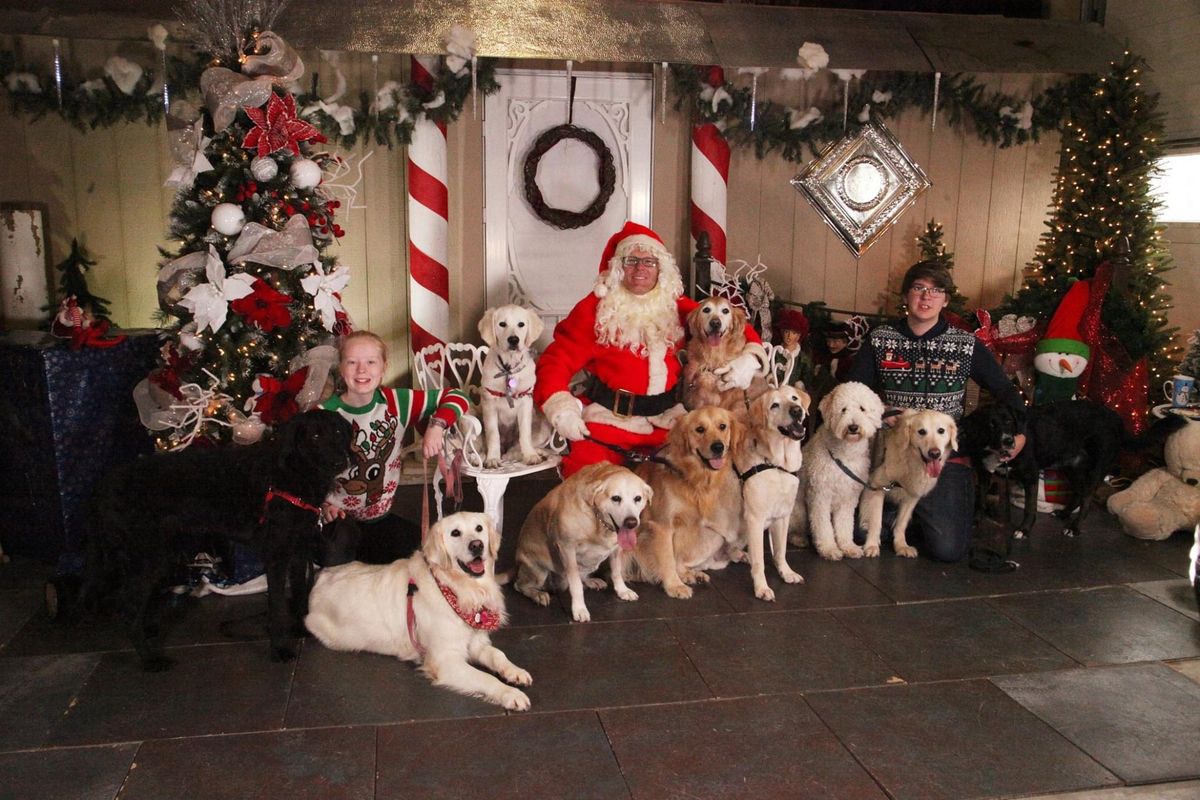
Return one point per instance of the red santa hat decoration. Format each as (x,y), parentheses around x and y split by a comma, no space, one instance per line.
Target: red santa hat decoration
(621,244)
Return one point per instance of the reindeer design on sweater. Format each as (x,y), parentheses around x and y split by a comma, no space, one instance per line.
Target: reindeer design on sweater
(369,456)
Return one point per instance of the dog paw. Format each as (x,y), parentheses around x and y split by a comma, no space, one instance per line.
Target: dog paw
(629,595)
(765,592)
(157,663)
(517,676)
(907,551)
(871,551)
(738,557)
(491,463)
(1070,531)
(1019,534)
(798,540)
(791,576)
(830,553)
(541,598)
(581,614)
(852,551)
(695,576)
(595,583)
(533,458)
(283,653)
(679,592)
(514,700)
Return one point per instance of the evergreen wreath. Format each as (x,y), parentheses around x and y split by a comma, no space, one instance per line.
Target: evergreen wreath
(607,177)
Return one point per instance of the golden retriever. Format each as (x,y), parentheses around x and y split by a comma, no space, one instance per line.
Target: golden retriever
(695,519)
(914,452)
(767,461)
(506,381)
(592,516)
(716,336)
(435,609)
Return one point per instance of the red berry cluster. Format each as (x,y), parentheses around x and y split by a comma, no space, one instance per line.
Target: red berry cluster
(246,191)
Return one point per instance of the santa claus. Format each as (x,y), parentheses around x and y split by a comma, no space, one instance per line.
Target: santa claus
(625,335)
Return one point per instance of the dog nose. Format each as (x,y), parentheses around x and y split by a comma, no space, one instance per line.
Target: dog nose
(717,448)
(476,547)
(513,341)
(935,453)
(797,412)
(714,324)
(629,523)
(851,429)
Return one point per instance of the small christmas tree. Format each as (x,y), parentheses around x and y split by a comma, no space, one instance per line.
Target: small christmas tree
(72,282)
(1191,359)
(250,288)
(932,248)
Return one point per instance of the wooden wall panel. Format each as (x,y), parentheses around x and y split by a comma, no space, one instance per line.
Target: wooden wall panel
(971,217)
(1184,241)
(1004,215)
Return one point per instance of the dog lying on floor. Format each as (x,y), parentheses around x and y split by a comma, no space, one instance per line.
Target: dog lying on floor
(435,609)
(694,522)
(506,381)
(591,516)
(716,336)
(766,459)
(153,513)
(836,464)
(914,452)
(1080,438)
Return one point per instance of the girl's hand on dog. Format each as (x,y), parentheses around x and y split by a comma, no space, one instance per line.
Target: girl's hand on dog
(330,512)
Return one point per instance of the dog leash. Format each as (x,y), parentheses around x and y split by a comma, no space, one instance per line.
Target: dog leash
(850,473)
(412,584)
(273,493)
(634,458)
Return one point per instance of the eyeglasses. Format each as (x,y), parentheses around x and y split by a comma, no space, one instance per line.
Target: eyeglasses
(932,291)
(649,262)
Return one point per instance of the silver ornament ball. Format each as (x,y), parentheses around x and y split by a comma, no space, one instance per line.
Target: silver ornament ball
(264,168)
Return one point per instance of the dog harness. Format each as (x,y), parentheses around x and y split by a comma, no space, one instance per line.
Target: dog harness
(509,373)
(485,619)
(273,493)
(763,467)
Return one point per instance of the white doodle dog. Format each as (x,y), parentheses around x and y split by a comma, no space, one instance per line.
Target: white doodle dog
(507,381)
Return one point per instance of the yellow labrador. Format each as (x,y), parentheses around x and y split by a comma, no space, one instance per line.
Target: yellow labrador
(592,516)
(767,461)
(914,452)
(506,396)
(436,609)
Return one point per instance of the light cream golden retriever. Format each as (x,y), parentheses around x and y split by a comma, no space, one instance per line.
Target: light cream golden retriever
(435,609)
(695,519)
(767,460)
(591,516)
(914,452)
(506,383)
(717,335)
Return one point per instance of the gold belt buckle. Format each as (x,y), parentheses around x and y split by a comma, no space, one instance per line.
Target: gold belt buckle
(618,401)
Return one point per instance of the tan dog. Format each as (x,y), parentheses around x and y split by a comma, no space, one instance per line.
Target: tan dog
(695,520)
(717,335)
(914,452)
(592,516)
(767,461)
(506,382)
(364,607)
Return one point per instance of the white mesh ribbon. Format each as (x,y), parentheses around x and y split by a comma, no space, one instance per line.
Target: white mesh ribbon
(287,249)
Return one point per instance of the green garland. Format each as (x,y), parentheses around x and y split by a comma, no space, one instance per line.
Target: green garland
(961,99)
(87,105)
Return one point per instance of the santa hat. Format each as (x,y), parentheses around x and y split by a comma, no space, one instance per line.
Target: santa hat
(792,319)
(1062,335)
(621,244)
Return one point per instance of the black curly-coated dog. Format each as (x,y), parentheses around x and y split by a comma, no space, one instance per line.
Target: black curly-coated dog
(150,514)
(1079,438)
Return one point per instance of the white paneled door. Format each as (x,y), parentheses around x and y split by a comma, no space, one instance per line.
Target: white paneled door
(529,261)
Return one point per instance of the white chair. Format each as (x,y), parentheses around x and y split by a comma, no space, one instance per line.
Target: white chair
(459,365)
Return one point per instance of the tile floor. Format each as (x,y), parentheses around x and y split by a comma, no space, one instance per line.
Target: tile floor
(1078,676)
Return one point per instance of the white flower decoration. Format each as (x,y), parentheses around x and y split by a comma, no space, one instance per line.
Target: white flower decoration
(864,116)
(436,102)
(343,115)
(1022,118)
(209,302)
(157,34)
(880,97)
(798,120)
(124,73)
(389,96)
(22,82)
(812,57)
(719,96)
(847,74)
(460,44)
(322,287)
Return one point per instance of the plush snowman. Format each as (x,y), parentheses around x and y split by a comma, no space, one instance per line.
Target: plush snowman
(1061,356)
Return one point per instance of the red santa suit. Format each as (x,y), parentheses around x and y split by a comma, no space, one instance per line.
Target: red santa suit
(629,400)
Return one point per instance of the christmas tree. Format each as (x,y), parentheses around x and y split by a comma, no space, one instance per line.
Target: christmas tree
(1191,359)
(1110,144)
(932,248)
(250,293)
(72,282)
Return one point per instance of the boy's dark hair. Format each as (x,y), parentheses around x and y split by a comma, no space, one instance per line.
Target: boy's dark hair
(933,271)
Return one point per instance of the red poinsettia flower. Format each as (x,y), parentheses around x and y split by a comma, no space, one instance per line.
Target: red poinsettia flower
(341,320)
(276,400)
(264,307)
(278,128)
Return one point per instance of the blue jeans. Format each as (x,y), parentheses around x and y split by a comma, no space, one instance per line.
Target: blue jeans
(943,521)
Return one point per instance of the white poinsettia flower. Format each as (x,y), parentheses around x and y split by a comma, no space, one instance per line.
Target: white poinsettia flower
(1023,119)
(157,34)
(460,45)
(124,73)
(719,96)
(864,116)
(389,96)
(342,115)
(880,97)
(22,82)
(323,287)
(798,120)
(847,74)
(812,56)
(209,302)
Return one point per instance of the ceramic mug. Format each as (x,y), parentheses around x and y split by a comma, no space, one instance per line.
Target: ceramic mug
(1179,390)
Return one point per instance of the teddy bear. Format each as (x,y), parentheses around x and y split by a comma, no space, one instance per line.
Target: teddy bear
(1165,499)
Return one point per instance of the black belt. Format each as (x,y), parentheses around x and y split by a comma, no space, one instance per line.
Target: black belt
(628,404)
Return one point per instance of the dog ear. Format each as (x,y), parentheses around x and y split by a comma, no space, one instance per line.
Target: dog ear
(486,327)
(805,400)
(738,429)
(536,326)
(647,492)
(825,404)
(434,546)
(693,320)
(953,428)
(493,538)
(737,330)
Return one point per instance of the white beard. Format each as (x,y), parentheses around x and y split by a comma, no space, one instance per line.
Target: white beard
(638,322)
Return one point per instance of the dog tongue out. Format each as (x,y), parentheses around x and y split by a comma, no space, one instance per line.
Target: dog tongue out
(716,463)
(627,538)
(477,567)
(933,468)
(714,339)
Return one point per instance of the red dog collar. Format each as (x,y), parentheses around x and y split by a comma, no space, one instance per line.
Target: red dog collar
(288,496)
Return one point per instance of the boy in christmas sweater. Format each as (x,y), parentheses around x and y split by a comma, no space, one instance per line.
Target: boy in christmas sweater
(922,362)
(358,508)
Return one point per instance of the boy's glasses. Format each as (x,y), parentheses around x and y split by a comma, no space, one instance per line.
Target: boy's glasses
(932,291)
(649,262)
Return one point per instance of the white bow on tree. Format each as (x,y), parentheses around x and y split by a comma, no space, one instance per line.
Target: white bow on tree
(209,302)
(323,287)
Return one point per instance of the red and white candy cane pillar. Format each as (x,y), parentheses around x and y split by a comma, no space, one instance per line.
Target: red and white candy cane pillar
(428,224)
(710,179)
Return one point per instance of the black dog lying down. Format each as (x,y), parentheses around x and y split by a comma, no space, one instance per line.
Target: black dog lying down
(1079,438)
(154,512)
